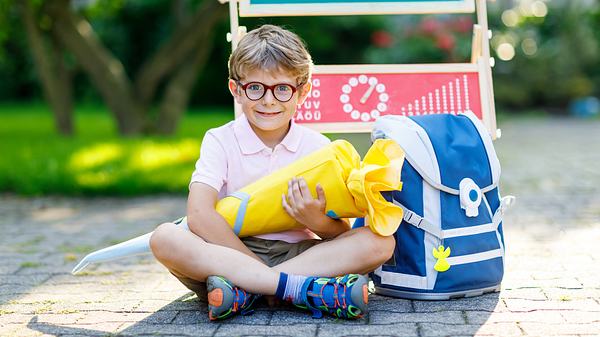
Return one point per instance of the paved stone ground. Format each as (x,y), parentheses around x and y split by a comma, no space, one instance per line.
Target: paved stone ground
(551,286)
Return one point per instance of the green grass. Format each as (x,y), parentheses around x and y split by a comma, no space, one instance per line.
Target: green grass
(79,249)
(35,160)
(30,264)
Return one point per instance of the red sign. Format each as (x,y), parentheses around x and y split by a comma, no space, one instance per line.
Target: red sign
(359,97)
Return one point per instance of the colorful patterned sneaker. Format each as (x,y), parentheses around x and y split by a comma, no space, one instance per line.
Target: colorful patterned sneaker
(344,297)
(226,300)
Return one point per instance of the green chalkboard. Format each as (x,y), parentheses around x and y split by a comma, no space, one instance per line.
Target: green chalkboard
(352,7)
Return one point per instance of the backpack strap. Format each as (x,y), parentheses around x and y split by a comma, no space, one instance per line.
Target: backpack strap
(422,223)
(419,222)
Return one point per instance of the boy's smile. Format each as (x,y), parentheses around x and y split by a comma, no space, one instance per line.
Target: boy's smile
(268,114)
(269,117)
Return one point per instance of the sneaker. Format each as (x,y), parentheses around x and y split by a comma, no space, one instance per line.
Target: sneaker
(226,300)
(344,297)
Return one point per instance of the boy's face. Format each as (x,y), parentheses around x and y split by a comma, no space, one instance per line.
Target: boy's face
(268,114)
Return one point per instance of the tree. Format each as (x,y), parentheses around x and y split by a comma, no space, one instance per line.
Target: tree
(163,82)
(51,67)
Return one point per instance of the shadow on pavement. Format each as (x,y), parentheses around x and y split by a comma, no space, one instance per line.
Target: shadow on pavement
(388,317)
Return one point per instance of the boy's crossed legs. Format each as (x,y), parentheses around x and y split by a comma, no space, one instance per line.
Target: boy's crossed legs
(357,251)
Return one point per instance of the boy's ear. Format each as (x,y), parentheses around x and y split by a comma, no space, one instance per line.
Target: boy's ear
(304,91)
(234,90)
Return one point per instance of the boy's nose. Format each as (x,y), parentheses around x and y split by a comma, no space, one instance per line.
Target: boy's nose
(268,98)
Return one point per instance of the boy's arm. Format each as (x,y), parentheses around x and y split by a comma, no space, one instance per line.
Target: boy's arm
(309,211)
(205,222)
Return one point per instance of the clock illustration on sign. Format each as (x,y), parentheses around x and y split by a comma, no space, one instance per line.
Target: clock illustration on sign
(364,98)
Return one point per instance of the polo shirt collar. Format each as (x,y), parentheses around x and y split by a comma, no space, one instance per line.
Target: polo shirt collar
(291,141)
(250,143)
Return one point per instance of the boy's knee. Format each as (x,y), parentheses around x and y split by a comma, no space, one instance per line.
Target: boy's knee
(160,239)
(380,248)
(388,246)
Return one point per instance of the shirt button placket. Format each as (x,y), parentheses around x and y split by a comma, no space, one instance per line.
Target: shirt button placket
(271,157)
(274,161)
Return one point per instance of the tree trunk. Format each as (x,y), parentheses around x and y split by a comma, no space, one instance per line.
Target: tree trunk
(106,72)
(179,88)
(51,68)
(187,39)
(64,81)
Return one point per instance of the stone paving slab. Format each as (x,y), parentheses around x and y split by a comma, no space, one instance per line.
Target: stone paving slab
(551,285)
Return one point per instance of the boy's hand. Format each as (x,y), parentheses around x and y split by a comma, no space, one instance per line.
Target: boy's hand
(309,211)
(300,204)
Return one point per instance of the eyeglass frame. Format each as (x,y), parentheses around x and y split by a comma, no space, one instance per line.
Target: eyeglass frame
(267,88)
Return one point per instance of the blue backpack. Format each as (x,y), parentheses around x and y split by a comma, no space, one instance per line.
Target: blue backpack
(450,243)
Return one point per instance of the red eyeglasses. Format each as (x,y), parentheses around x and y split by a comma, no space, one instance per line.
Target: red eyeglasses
(282,92)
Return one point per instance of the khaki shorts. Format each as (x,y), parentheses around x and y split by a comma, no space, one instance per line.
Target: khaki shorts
(272,252)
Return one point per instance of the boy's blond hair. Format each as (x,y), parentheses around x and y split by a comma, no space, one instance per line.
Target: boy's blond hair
(271,48)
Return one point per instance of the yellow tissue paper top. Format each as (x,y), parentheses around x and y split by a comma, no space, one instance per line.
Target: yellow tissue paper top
(379,171)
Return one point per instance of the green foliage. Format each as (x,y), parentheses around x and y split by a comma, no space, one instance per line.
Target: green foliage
(330,40)
(552,57)
(564,65)
(104,8)
(422,39)
(97,161)
(16,68)
(6,29)
(556,52)
(132,30)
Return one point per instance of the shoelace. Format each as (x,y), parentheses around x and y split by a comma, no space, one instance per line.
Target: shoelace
(237,299)
(336,302)
(339,307)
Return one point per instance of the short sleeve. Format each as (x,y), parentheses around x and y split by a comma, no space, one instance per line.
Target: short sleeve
(316,141)
(211,167)
(323,141)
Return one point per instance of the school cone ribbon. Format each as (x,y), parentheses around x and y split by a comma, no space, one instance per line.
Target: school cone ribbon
(352,190)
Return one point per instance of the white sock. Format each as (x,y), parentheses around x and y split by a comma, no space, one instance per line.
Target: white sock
(293,287)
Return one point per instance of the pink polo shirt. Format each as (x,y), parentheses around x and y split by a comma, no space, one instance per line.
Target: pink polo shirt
(232,156)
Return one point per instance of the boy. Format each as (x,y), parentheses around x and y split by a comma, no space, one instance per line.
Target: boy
(269,74)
